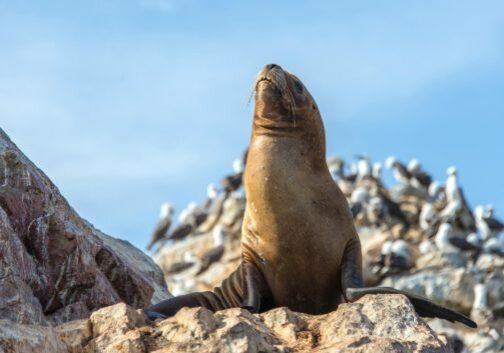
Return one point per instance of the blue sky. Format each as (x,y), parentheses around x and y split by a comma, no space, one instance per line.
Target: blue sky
(129,103)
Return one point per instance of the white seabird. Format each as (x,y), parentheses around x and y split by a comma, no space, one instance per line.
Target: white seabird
(487,226)
(452,189)
(401,173)
(363,167)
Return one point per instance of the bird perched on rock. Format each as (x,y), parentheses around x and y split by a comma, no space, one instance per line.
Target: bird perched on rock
(401,173)
(487,225)
(494,246)
(189,220)
(364,168)
(451,211)
(376,211)
(336,166)
(457,201)
(428,217)
(216,252)
(418,177)
(358,199)
(212,193)
(376,172)
(436,191)
(188,262)
(480,311)
(395,257)
(234,181)
(452,189)
(446,241)
(163,225)
(442,238)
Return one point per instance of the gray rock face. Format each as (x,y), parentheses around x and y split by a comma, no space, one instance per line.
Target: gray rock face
(16,338)
(55,266)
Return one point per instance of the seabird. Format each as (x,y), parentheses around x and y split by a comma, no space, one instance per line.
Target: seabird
(216,252)
(427,217)
(494,246)
(181,231)
(238,166)
(435,190)
(363,167)
(336,167)
(426,247)
(358,200)
(187,212)
(163,225)
(212,193)
(188,262)
(352,175)
(394,257)
(487,226)
(377,171)
(450,212)
(393,209)
(442,238)
(447,242)
(376,211)
(401,173)
(419,178)
(232,182)
(452,189)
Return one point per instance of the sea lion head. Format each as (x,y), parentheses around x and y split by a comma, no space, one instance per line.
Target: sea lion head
(284,103)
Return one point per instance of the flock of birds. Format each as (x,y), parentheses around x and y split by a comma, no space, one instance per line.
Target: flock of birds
(201,219)
(438,213)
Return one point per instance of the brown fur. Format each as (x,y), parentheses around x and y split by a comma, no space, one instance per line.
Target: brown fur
(297,221)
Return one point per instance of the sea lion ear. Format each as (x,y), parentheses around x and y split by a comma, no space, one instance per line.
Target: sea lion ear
(298,86)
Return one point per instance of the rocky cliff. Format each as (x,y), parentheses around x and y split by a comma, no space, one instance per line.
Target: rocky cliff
(54,265)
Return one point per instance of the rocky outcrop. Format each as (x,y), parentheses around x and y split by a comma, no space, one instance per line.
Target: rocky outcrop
(446,275)
(54,265)
(381,323)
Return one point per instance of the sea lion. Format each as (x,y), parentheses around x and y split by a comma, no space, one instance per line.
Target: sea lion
(300,248)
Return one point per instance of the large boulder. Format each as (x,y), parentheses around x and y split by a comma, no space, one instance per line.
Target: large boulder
(54,265)
(377,323)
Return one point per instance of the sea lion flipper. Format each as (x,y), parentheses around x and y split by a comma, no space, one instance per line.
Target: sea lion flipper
(351,267)
(423,306)
(353,288)
(170,307)
(256,291)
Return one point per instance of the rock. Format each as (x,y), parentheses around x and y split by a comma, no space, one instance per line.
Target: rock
(20,338)
(382,323)
(440,259)
(284,323)
(75,334)
(485,340)
(377,323)
(488,262)
(116,318)
(55,266)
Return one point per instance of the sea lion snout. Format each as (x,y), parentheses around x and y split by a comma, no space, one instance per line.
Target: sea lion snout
(272,66)
(274,74)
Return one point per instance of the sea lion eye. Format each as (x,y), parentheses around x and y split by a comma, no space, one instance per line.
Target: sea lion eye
(298,86)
